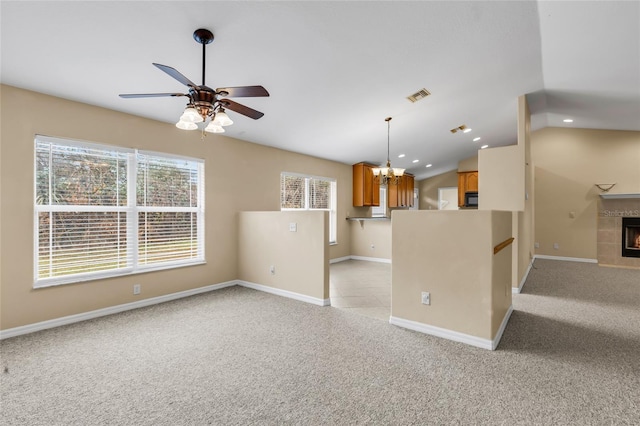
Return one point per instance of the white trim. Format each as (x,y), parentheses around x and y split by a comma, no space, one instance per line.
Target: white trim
(503,325)
(70,319)
(285,293)
(442,332)
(371,259)
(367,259)
(620,196)
(569,259)
(517,290)
(454,335)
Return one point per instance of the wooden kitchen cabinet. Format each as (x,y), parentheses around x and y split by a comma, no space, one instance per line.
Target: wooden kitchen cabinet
(366,189)
(401,194)
(467,181)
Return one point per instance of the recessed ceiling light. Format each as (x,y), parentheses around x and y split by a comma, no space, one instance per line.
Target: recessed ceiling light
(415,161)
(428,165)
(568,120)
(401,156)
(476,139)
(484,146)
(466,130)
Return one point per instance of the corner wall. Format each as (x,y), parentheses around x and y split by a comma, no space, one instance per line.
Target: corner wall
(371,239)
(239,176)
(300,258)
(568,164)
(428,188)
(450,254)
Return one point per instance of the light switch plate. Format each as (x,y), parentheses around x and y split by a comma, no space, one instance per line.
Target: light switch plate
(426,298)
(293,227)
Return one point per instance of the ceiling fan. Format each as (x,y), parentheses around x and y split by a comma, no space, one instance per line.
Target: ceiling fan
(205,102)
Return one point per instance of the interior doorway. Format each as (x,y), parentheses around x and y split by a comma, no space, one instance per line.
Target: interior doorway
(361,287)
(448,198)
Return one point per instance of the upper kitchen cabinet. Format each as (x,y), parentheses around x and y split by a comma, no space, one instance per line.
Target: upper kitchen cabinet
(366,189)
(401,194)
(467,181)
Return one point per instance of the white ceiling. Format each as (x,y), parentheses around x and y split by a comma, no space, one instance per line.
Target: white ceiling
(335,70)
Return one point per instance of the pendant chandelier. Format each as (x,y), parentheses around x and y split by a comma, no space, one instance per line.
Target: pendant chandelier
(388,175)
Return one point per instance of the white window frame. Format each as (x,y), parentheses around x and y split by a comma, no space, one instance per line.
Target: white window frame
(131,209)
(381,210)
(333,208)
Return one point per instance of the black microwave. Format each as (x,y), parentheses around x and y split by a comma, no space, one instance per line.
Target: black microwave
(471,199)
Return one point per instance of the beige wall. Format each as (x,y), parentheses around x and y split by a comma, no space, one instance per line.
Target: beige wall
(368,233)
(568,162)
(428,188)
(300,258)
(501,178)
(450,255)
(468,164)
(526,227)
(240,176)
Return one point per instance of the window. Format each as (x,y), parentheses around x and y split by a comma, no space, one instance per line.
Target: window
(310,193)
(381,210)
(103,211)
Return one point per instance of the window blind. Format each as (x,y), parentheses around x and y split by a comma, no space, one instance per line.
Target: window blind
(104,211)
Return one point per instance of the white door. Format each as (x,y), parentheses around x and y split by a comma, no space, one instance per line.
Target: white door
(448,198)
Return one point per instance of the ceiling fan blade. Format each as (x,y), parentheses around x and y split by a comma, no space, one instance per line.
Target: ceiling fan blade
(150,95)
(244,91)
(176,74)
(241,109)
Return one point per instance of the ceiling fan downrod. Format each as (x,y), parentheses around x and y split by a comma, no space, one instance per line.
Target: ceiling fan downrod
(204,37)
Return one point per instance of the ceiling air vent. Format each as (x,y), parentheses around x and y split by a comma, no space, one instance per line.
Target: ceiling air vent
(421,94)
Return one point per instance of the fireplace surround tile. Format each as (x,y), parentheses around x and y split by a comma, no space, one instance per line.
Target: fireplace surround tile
(609,245)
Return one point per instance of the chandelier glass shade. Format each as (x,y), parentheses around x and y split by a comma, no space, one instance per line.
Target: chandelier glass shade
(194,114)
(387,174)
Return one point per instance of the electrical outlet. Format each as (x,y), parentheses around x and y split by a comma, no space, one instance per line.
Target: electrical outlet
(293,227)
(537,245)
(426,298)
(272,269)
(556,246)
(373,247)
(136,289)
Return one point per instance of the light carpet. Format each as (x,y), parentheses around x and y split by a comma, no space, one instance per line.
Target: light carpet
(569,355)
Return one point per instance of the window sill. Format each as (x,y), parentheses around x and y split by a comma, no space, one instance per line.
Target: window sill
(54,282)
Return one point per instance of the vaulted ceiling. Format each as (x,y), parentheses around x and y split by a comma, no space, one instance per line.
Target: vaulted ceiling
(335,70)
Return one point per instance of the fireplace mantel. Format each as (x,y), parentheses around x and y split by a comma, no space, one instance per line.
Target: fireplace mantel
(620,196)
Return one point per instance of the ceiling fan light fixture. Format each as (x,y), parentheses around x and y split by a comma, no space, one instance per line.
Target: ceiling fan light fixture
(222,119)
(214,128)
(191,115)
(205,103)
(186,125)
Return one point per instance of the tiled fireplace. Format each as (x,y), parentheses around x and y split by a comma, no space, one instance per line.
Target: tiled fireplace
(619,230)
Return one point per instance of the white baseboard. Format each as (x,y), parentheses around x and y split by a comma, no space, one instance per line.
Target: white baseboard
(503,325)
(286,293)
(371,259)
(70,319)
(516,290)
(442,332)
(454,335)
(340,259)
(569,259)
